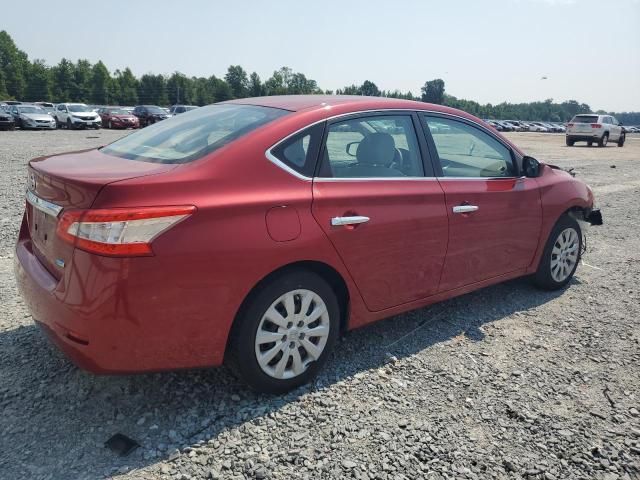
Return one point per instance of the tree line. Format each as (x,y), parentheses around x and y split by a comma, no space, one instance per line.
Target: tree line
(81,81)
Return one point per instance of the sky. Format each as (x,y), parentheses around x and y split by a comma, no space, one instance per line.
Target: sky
(485,50)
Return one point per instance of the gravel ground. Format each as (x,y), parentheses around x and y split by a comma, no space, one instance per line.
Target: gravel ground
(506,382)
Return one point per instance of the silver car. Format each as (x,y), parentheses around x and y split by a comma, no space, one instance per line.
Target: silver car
(32,116)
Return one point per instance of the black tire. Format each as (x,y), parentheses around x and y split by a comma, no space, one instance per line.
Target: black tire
(589,143)
(603,140)
(621,140)
(569,142)
(241,354)
(69,124)
(543,277)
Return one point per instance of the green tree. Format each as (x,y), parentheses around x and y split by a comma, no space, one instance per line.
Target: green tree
(14,64)
(101,90)
(237,79)
(255,85)
(82,82)
(370,89)
(39,85)
(63,82)
(153,90)
(433,91)
(126,89)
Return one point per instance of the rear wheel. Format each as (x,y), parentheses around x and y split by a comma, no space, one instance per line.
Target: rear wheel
(621,140)
(284,334)
(603,140)
(589,143)
(569,142)
(561,255)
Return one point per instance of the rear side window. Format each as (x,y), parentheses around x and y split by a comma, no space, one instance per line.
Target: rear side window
(194,134)
(585,119)
(300,151)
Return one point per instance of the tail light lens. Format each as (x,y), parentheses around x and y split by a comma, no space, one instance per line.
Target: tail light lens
(570,125)
(119,232)
(595,125)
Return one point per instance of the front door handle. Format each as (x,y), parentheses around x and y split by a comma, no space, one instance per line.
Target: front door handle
(465,208)
(339,221)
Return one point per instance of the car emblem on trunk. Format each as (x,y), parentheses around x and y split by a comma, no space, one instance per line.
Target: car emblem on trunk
(32,181)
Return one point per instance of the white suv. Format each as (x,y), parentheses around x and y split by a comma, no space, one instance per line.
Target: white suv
(76,115)
(594,128)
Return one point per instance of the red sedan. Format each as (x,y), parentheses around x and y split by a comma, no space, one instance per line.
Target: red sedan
(116,117)
(254,231)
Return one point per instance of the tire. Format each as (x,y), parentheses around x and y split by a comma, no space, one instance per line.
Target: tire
(559,262)
(275,374)
(69,124)
(621,139)
(589,143)
(569,142)
(603,140)
(109,125)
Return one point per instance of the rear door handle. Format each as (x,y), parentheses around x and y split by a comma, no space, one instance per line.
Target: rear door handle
(465,208)
(338,221)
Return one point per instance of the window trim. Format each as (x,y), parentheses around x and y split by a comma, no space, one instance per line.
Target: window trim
(271,156)
(424,142)
(515,160)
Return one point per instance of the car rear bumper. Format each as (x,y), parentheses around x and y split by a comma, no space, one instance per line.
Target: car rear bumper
(118,315)
(583,137)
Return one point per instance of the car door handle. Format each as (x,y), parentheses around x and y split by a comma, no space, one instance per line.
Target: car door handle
(338,221)
(465,208)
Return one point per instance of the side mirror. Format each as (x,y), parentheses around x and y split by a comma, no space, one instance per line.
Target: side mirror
(530,167)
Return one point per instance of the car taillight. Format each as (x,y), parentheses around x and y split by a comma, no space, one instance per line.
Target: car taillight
(570,125)
(595,125)
(119,232)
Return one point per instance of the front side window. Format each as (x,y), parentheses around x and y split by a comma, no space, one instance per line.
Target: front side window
(186,138)
(466,151)
(373,146)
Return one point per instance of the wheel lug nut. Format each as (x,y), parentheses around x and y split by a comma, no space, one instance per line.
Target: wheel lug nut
(290,324)
(292,345)
(302,336)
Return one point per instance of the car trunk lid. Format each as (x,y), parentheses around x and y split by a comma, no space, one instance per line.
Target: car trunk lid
(71,181)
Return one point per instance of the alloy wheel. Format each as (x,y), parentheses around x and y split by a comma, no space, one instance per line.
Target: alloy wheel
(564,255)
(292,334)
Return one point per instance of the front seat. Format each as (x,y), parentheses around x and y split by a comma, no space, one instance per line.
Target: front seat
(374,157)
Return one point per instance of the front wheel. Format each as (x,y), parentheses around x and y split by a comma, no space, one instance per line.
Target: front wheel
(569,142)
(285,332)
(621,140)
(561,255)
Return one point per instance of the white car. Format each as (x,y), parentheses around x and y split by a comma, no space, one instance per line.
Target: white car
(537,127)
(590,128)
(77,115)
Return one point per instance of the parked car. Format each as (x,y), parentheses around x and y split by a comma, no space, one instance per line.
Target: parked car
(117,117)
(149,114)
(537,127)
(592,128)
(497,125)
(32,117)
(517,126)
(254,234)
(176,109)
(48,107)
(11,102)
(6,120)
(77,115)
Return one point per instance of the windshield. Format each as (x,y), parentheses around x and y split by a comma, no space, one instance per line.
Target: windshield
(117,111)
(192,135)
(30,110)
(155,110)
(79,108)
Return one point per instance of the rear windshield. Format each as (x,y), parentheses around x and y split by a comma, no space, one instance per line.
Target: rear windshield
(192,135)
(585,119)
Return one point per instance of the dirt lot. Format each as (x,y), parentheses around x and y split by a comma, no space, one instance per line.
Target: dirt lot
(507,382)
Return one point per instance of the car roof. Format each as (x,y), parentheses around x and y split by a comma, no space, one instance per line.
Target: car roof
(296,103)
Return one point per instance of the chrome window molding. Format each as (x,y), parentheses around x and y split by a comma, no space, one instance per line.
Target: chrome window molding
(43,205)
(273,159)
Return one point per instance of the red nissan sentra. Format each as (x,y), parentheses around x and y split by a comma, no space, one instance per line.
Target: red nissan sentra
(254,231)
